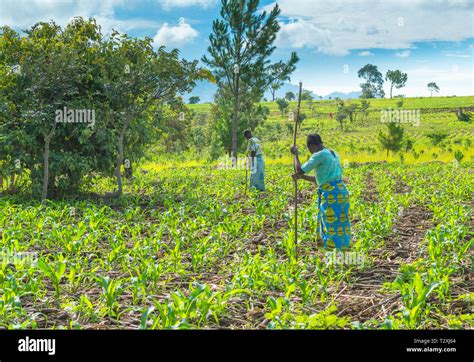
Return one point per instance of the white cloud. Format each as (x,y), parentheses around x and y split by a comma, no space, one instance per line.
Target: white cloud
(457,54)
(365,53)
(169,4)
(337,27)
(21,14)
(301,33)
(403,54)
(455,73)
(175,36)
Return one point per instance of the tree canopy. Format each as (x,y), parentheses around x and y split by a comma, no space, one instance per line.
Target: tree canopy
(126,87)
(373,86)
(241,43)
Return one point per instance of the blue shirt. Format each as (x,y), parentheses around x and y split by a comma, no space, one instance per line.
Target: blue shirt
(254,146)
(327,166)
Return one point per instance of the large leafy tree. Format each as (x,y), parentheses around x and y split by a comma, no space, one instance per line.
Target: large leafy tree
(10,135)
(138,83)
(396,78)
(48,79)
(373,86)
(306,95)
(241,45)
(131,87)
(194,100)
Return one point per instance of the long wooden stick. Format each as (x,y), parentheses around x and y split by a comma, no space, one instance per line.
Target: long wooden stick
(246,174)
(294,165)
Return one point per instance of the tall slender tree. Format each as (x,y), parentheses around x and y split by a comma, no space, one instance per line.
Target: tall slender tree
(396,78)
(433,87)
(241,45)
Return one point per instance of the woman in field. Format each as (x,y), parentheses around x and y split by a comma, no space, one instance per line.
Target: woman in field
(333,197)
(257,164)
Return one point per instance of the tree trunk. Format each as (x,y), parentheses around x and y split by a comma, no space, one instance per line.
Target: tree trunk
(47,141)
(12,181)
(44,192)
(119,163)
(391,87)
(235,121)
(118,174)
(118,166)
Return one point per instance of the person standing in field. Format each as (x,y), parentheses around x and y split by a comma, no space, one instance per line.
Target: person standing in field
(333,196)
(257,164)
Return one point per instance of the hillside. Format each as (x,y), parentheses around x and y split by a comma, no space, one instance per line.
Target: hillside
(359,142)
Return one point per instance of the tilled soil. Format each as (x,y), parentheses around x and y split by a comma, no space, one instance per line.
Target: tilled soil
(362,298)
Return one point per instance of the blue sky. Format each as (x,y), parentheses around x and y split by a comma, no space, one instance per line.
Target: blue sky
(431,40)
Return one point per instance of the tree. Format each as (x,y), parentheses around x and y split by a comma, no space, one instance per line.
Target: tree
(311,106)
(273,88)
(364,108)
(462,116)
(282,105)
(352,109)
(290,96)
(306,95)
(241,44)
(345,109)
(251,116)
(393,139)
(437,137)
(373,86)
(194,100)
(433,87)
(56,71)
(123,80)
(138,84)
(341,113)
(397,79)
(301,118)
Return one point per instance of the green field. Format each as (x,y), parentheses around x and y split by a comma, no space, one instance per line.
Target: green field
(184,247)
(358,143)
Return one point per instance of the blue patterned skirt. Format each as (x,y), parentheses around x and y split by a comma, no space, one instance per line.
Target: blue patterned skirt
(257,173)
(333,215)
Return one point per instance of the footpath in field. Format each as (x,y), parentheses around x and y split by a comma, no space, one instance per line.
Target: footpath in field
(362,298)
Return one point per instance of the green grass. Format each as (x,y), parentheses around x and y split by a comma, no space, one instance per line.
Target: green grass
(184,248)
(177,252)
(358,143)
